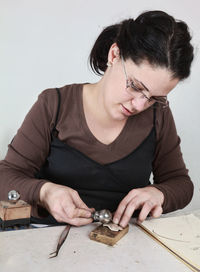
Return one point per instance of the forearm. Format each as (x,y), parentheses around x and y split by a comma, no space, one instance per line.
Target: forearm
(177,192)
(169,170)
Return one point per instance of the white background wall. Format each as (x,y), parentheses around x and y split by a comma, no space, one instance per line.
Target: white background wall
(46,43)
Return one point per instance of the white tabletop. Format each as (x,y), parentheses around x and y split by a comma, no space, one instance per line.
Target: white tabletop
(28,250)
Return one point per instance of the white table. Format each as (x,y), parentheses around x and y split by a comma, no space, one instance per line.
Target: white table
(27,251)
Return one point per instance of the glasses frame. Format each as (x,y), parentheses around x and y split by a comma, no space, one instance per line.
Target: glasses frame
(130,84)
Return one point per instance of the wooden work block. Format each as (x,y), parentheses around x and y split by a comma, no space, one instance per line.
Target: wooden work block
(105,235)
(12,211)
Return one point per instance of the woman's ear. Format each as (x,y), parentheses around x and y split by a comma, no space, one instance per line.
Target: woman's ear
(113,54)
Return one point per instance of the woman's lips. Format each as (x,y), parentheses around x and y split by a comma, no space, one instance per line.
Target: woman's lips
(126,111)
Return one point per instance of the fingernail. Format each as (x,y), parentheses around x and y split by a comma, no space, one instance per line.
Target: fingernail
(122,224)
(116,221)
(88,214)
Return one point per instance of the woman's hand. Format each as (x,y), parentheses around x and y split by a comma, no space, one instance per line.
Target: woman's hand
(65,204)
(148,199)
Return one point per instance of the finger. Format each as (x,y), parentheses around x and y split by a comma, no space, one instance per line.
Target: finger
(131,207)
(67,215)
(157,211)
(122,206)
(146,209)
(92,210)
(73,221)
(118,213)
(83,213)
(74,212)
(60,215)
(79,221)
(79,202)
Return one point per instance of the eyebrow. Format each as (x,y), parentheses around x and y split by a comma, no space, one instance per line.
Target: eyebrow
(142,84)
(148,89)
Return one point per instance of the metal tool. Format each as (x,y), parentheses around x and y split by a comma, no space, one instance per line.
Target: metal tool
(61,240)
(103,216)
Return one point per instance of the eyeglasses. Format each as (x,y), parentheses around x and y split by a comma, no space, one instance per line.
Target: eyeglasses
(140,88)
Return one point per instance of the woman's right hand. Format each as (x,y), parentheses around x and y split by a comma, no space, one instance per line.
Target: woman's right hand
(65,204)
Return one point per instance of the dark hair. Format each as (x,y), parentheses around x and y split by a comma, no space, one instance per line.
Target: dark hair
(154,36)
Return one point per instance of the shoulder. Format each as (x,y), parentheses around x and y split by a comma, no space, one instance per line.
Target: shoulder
(50,96)
(65,92)
(63,100)
(164,120)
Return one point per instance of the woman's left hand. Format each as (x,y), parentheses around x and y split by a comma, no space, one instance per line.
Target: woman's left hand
(148,199)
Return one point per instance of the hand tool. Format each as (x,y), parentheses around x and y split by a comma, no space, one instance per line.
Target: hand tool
(103,216)
(61,240)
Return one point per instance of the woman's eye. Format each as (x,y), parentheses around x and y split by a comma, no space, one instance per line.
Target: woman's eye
(136,88)
(144,96)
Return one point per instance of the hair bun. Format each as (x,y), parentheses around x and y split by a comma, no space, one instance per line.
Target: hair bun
(154,36)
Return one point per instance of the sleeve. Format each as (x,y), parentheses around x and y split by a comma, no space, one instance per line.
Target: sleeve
(169,171)
(28,150)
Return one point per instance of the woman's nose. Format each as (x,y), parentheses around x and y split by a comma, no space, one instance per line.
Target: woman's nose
(138,103)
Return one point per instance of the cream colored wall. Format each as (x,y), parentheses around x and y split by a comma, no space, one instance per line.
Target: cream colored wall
(46,44)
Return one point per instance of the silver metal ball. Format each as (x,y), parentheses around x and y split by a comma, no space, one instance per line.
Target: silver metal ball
(103,216)
(13,195)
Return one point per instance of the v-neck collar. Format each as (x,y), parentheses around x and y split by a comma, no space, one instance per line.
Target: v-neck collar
(87,130)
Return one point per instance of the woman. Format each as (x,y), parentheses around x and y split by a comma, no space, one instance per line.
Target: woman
(95,145)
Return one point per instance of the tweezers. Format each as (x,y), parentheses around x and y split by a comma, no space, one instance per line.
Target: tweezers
(61,240)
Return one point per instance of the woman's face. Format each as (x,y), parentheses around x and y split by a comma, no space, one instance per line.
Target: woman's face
(121,102)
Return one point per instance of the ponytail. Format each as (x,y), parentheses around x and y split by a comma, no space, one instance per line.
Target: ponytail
(99,53)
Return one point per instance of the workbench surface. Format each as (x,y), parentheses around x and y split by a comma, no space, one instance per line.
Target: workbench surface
(28,250)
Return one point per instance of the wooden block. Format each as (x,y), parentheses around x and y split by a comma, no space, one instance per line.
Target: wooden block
(105,235)
(12,211)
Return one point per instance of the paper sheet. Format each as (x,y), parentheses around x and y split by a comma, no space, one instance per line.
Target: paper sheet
(181,234)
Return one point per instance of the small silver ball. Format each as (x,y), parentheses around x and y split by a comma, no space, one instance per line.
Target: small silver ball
(13,195)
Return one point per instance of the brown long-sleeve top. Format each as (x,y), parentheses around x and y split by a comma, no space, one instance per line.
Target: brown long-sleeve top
(30,147)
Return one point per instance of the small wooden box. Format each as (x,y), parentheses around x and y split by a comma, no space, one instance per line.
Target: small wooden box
(105,235)
(14,213)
